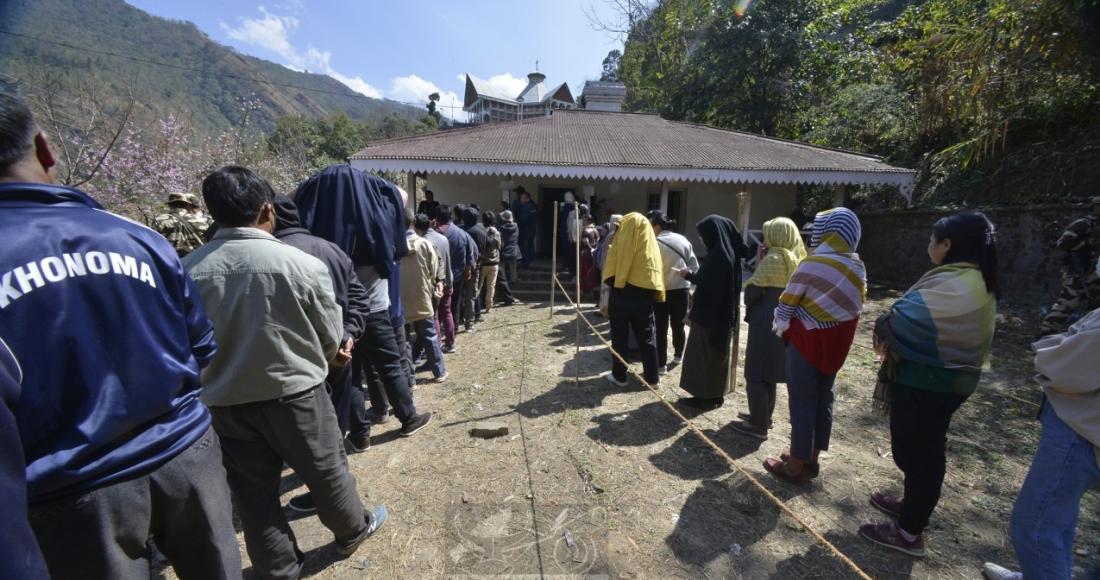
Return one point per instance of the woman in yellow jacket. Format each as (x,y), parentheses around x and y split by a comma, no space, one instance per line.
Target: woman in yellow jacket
(633,272)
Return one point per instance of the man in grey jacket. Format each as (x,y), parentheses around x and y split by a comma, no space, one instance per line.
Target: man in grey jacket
(276,316)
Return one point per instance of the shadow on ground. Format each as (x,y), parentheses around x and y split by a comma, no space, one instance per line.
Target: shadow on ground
(720,521)
(568,395)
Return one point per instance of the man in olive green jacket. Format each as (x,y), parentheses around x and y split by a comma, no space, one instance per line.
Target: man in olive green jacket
(277,320)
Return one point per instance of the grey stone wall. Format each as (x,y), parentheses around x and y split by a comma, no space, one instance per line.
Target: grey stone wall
(894,247)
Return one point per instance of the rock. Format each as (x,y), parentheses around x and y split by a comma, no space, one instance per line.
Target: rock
(489,429)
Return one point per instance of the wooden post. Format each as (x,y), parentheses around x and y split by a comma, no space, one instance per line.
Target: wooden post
(554,262)
(577,355)
(744,214)
(840,195)
(410,186)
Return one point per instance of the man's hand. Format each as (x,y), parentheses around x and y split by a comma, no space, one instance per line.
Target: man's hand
(683,273)
(438,290)
(343,356)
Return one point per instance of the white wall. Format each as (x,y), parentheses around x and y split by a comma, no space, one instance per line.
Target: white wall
(700,199)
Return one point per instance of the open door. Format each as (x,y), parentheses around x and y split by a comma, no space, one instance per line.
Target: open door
(547,197)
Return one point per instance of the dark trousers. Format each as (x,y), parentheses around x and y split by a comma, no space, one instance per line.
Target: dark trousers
(340,390)
(458,297)
(919,420)
(761,403)
(446,319)
(810,397)
(527,244)
(631,309)
(378,354)
(470,309)
(183,506)
(671,312)
(300,430)
(503,291)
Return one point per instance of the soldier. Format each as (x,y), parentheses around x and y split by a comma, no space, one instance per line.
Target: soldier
(1080,282)
(184,224)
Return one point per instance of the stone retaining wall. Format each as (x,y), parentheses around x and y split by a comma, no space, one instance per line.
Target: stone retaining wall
(895,245)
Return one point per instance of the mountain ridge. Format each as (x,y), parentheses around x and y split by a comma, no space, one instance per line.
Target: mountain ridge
(170,65)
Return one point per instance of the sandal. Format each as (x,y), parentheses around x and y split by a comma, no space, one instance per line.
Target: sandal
(812,469)
(779,469)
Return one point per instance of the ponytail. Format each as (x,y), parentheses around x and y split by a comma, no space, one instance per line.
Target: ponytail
(973,239)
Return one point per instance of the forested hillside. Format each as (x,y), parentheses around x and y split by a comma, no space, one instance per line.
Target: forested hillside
(994,101)
(205,81)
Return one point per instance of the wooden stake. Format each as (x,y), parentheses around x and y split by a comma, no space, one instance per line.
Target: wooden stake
(554,262)
(577,275)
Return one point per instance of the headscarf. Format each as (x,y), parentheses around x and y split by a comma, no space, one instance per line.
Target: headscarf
(829,287)
(717,301)
(785,251)
(360,213)
(634,258)
(286,213)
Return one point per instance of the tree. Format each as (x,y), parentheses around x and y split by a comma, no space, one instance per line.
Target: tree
(611,66)
(433,109)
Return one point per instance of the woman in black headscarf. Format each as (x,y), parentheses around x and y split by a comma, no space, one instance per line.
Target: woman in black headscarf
(716,308)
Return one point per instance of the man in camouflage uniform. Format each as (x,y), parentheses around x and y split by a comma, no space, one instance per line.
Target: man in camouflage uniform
(184,224)
(1080,282)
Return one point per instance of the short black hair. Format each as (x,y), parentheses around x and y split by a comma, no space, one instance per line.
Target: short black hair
(422,222)
(429,194)
(488,218)
(17,127)
(443,214)
(235,195)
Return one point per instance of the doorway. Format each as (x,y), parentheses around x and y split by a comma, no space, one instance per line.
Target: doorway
(547,197)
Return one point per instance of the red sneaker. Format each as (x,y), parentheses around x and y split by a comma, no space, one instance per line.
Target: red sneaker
(888,536)
(886,503)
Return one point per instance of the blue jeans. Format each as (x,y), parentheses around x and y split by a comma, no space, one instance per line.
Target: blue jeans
(427,342)
(810,398)
(1045,517)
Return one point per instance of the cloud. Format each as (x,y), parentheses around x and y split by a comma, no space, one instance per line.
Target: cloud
(502,84)
(272,32)
(413,89)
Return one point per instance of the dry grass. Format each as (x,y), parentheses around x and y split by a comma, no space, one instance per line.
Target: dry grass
(595,480)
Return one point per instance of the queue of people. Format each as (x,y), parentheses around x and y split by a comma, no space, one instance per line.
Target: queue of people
(803,310)
(145,396)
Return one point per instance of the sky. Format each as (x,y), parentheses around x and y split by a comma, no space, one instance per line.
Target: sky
(404,50)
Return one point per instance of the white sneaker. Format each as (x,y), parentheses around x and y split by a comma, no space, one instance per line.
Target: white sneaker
(611,379)
(994,572)
(662,370)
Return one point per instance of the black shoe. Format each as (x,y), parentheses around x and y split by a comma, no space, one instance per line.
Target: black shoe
(419,422)
(479,320)
(448,349)
(748,417)
(303,504)
(375,518)
(355,444)
(746,428)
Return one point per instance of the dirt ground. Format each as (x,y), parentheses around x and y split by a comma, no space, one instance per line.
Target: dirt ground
(602,482)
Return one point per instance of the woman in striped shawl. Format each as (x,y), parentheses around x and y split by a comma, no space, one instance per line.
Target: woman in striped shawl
(817,317)
(937,338)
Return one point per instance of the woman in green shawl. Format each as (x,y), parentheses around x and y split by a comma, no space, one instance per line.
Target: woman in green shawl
(766,355)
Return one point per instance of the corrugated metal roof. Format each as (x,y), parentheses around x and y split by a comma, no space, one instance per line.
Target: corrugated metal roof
(590,138)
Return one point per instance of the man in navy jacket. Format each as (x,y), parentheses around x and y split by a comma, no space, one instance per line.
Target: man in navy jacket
(109,335)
